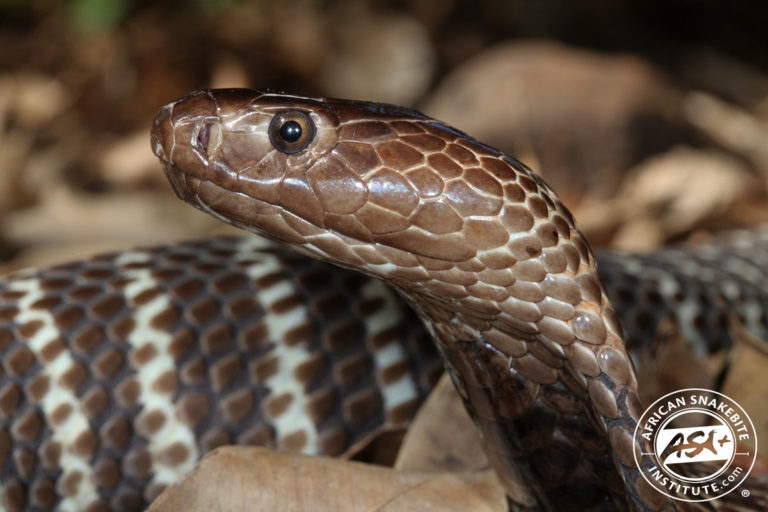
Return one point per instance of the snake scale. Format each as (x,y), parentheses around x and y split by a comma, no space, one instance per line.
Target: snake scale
(121,371)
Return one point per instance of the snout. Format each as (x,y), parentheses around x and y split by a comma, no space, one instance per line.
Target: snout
(180,138)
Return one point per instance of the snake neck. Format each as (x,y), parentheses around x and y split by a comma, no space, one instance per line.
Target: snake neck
(529,404)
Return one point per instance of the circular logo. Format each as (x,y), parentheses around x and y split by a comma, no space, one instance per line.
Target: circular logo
(696,445)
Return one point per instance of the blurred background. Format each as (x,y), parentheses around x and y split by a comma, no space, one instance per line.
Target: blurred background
(650,118)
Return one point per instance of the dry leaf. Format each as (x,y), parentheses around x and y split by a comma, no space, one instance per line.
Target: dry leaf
(746,381)
(677,191)
(730,125)
(669,363)
(710,69)
(442,437)
(589,115)
(251,478)
(33,98)
(378,56)
(68,215)
(637,233)
(128,161)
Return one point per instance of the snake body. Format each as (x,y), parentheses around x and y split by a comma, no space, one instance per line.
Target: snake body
(121,371)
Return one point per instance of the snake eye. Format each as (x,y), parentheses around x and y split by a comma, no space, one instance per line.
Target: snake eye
(291,131)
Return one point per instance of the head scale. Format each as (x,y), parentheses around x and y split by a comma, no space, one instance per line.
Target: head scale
(336,177)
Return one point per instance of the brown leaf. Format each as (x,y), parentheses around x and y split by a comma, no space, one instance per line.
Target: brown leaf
(33,99)
(730,125)
(746,381)
(442,437)
(669,362)
(582,110)
(251,478)
(378,56)
(677,191)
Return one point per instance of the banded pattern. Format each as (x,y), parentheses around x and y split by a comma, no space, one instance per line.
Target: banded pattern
(121,371)
(699,287)
(355,333)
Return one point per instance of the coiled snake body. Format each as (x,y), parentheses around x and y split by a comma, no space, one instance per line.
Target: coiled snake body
(121,371)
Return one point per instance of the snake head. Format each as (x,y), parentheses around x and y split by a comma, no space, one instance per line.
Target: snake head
(375,187)
(218,151)
(307,170)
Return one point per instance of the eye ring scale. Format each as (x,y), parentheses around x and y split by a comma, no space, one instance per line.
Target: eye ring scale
(291,131)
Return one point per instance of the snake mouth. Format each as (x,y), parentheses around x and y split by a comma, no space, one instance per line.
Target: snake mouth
(179,183)
(236,209)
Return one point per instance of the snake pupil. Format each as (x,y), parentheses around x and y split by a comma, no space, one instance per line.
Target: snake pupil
(290,131)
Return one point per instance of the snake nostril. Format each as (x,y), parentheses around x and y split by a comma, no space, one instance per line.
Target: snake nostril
(208,138)
(203,138)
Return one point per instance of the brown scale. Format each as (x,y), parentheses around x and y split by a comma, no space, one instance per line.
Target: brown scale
(642,306)
(223,359)
(434,248)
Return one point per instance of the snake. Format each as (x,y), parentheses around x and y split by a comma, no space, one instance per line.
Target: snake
(390,246)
